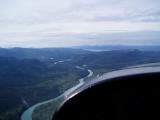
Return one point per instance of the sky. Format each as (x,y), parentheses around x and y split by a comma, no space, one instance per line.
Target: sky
(63,23)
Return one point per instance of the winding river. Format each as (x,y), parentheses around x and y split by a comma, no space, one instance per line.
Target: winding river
(27,115)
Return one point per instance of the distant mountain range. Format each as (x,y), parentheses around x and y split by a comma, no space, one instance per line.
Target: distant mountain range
(41,53)
(120,47)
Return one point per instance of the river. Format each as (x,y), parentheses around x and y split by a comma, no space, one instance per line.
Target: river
(27,115)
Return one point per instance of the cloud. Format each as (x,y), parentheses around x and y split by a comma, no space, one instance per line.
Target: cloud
(68,22)
(144,16)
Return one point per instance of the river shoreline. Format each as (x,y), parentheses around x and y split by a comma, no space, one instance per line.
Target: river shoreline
(27,115)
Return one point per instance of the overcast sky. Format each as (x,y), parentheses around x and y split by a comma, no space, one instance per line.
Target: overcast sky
(61,23)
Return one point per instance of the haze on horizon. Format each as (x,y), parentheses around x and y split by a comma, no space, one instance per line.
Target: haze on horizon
(63,23)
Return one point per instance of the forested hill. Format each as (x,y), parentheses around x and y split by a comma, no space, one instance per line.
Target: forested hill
(40,53)
(117,58)
(28,76)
